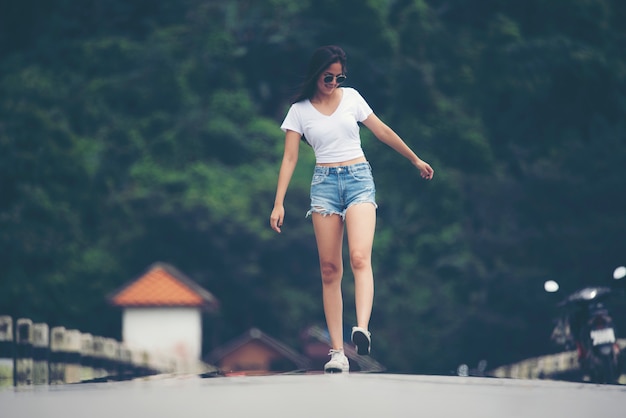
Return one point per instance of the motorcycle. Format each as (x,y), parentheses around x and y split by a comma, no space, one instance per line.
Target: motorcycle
(586,325)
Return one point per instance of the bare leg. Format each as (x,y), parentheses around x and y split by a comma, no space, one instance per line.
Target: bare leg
(360,225)
(329,236)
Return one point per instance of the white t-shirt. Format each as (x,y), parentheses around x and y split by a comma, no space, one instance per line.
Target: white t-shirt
(334,138)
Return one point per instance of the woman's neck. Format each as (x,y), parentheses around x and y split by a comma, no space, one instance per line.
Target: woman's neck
(321,98)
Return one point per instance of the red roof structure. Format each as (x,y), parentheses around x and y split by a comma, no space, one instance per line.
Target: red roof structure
(257,353)
(163,285)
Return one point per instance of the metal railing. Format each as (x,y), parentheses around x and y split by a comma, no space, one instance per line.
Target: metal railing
(33,354)
(553,366)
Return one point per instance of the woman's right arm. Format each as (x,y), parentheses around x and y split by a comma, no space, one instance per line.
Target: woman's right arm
(290,159)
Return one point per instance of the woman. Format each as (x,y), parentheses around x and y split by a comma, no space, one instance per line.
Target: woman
(342,188)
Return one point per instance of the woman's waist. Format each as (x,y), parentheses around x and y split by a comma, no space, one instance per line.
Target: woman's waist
(352,161)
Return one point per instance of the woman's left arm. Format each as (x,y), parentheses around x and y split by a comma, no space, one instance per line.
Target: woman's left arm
(387,135)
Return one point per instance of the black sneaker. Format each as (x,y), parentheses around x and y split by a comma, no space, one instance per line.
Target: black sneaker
(362,339)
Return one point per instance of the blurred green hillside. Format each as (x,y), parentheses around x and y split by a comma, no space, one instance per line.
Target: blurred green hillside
(138,131)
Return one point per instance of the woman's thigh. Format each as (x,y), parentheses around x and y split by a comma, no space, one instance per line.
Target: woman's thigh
(361,225)
(329,237)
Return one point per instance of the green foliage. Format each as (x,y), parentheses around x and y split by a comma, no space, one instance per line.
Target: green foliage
(148,130)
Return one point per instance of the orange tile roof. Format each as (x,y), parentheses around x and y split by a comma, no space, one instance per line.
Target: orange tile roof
(162,286)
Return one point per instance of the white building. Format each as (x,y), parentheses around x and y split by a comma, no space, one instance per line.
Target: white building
(162,314)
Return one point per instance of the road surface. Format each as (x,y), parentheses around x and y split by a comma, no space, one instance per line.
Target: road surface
(317,395)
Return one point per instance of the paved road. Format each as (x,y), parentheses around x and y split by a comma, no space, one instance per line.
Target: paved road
(354,395)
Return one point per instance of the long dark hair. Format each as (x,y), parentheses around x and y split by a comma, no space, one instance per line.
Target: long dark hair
(322,58)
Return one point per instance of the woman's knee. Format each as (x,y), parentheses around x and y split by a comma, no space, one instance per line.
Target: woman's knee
(331,273)
(360,260)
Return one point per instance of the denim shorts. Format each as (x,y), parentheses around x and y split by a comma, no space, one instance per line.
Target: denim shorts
(335,189)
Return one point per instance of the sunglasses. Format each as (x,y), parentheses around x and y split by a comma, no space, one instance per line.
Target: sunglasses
(329,78)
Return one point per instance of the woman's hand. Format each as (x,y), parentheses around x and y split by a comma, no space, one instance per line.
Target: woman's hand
(426,171)
(276,218)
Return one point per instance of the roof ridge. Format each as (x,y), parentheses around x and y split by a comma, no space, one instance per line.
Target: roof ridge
(154,289)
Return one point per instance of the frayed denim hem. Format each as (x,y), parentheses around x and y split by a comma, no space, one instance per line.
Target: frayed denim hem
(325,212)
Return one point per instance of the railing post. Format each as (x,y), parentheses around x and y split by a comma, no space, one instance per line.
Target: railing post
(98,357)
(87,357)
(125,369)
(41,350)
(72,359)
(141,362)
(57,356)
(110,357)
(24,352)
(7,351)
